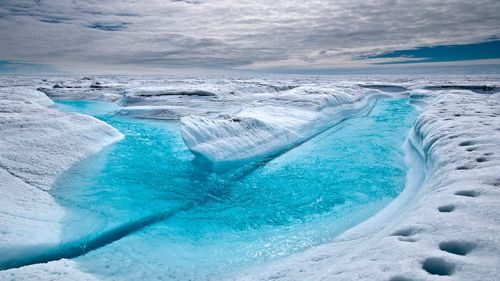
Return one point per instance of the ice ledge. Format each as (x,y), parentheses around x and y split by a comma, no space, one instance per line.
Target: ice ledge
(272,125)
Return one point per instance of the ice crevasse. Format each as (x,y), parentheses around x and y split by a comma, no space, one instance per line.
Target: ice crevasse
(272,124)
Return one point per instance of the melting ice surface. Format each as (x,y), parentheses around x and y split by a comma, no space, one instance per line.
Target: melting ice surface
(171,219)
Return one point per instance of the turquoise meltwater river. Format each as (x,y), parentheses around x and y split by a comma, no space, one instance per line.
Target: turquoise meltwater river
(142,209)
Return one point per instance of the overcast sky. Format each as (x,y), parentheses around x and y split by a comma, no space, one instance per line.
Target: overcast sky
(131,35)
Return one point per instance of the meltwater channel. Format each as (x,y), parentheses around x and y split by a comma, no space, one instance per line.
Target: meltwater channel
(148,212)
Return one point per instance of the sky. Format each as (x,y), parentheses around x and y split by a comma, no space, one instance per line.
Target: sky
(211,36)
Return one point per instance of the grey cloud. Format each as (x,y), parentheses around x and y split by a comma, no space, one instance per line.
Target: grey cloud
(108,26)
(189,1)
(231,33)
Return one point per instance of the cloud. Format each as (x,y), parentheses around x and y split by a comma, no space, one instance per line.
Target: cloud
(242,34)
(189,1)
(108,26)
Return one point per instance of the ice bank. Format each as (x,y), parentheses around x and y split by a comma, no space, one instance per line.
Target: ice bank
(448,229)
(271,124)
(36,144)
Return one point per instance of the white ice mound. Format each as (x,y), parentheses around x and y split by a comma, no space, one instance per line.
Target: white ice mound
(271,124)
(36,144)
(54,140)
(25,95)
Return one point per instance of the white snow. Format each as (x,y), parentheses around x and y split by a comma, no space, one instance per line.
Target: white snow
(36,144)
(26,95)
(61,270)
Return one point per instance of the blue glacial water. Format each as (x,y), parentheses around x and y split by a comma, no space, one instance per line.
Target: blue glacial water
(146,211)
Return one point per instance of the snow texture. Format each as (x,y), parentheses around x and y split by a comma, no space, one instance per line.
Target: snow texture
(62,270)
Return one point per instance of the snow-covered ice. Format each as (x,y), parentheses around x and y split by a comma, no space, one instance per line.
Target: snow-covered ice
(269,125)
(445,223)
(36,144)
(448,227)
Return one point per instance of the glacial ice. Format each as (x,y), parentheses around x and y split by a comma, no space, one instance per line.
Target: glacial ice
(36,144)
(449,226)
(451,221)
